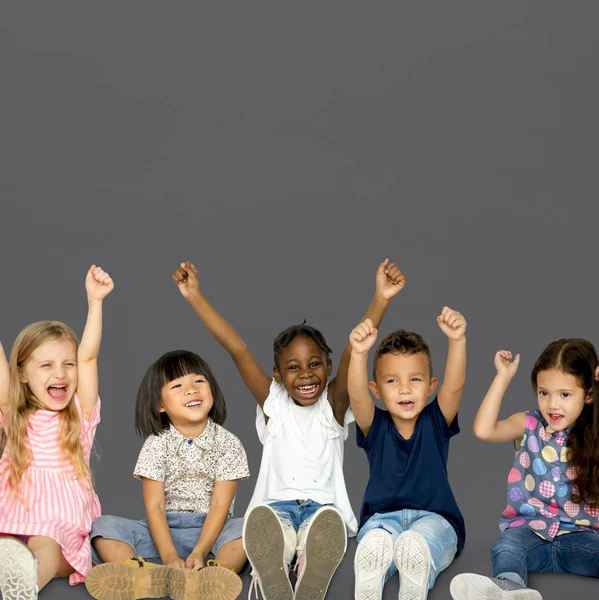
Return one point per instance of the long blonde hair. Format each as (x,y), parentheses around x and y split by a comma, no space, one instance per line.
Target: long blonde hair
(22,403)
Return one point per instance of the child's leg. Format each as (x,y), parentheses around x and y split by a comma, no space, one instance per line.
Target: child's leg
(114,540)
(519,551)
(515,553)
(322,541)
(51,562)
(228,547)
(422,552)
(373,562)
(578,553)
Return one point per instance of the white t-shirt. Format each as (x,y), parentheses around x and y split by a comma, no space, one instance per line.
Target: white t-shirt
(303,453)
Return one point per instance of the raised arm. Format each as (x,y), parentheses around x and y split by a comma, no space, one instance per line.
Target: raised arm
(256,380)
(487,427)
(453,325)
(389,282)
(361,339)
(4,383)
(98,285)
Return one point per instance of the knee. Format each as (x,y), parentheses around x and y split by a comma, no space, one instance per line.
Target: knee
(506,543)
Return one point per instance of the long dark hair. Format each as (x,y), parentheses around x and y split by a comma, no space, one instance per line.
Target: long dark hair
(172,365)
(578,357)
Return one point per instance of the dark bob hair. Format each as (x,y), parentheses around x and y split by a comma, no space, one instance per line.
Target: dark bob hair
(172,365)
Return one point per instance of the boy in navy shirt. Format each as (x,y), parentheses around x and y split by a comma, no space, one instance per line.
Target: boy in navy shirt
(410,521)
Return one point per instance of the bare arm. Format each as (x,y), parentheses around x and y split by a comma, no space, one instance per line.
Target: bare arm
(453,324)
(224,492)
(361,339)
(4,383)
(156,515)
(389,282)
(98,284)
(256,380)
(487,425)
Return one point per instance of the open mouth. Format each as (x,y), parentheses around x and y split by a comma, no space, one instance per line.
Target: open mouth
(193,404)
(555,417)
(58,392)
(307,391)
(407,404)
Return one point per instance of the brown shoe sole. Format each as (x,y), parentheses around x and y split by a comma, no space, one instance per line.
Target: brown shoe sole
(113,581)
(209,583)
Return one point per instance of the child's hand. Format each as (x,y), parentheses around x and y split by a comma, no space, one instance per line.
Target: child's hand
(389,280)
(186,277)
(504,364)
(452,324)
(98,283)
(175,563)
(195,561)
(362,338)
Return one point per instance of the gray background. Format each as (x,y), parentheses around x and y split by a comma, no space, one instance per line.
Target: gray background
(287,148)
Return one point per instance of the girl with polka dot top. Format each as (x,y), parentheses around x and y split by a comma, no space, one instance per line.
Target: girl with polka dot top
(551,520)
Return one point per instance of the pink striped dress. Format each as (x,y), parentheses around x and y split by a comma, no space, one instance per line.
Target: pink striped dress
(57,505)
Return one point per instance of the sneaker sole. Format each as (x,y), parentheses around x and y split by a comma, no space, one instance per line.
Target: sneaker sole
(113,581)
(18,578)
(210,583)
(413,559)
(469,586)
(373,558)
(326,541)
(264,544)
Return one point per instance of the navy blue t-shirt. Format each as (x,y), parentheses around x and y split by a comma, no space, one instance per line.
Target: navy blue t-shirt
(410,473)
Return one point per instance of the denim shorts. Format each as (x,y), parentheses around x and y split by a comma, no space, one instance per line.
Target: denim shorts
(185,531)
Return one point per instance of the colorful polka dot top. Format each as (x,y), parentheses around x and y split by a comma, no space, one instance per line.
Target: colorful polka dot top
(540,485)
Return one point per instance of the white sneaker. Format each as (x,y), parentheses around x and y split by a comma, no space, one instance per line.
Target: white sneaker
(469,586)
(413,560)
(373,558)
(18,570)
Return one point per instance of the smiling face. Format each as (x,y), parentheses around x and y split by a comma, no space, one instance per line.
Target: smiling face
(51,373)
(187,400)
(303,370)
(561,398)
(403,382)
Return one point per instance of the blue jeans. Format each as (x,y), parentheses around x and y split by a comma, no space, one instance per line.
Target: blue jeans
(438,533)
(295,516)
(520,551)
(296,513)
(185,531)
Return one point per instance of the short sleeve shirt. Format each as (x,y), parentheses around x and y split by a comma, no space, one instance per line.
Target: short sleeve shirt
(410,473)
(190,467)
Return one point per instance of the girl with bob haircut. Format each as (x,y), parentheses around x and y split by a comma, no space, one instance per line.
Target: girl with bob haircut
(188,546)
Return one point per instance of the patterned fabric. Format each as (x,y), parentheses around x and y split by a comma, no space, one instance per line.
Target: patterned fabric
(56,504)
(190,467)
(540,485)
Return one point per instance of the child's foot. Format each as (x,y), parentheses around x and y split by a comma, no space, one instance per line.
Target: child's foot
(18,570)
(373,557)
(469,586)
(413,560)
(264,544)
(326,541)
(215,581)
(135,578)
